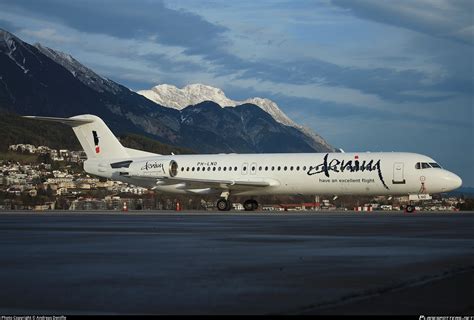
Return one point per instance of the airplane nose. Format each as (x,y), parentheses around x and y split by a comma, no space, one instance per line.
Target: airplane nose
(458,182)
(452,181)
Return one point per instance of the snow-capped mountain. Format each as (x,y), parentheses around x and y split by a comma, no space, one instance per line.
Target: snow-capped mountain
(193,94)
(173,97)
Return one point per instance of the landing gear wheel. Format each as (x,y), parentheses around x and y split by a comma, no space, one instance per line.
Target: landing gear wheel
(410,208)
(250,205)
(255,205)
(224,205)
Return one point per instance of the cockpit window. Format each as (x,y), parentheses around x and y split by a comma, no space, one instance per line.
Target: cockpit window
(426,165)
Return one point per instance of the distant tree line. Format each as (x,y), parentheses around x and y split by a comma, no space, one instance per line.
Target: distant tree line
(15,129)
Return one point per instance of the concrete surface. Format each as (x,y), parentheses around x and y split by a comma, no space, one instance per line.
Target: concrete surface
(239,263)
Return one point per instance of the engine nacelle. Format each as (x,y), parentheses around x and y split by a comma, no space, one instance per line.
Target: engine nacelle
(154,168)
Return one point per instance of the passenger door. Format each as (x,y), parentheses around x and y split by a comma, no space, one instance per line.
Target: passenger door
(398,174)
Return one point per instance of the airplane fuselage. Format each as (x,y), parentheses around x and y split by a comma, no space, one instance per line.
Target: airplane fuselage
(381,173)
(378,173)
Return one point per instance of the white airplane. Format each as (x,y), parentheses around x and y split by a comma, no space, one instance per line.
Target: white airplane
(381,173)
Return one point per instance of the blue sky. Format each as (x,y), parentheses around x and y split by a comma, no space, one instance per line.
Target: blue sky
(368,75)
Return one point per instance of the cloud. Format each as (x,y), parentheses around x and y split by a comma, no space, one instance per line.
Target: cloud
(177,41)
(7,25)
(444,18)
(122,19)
(49,34)
(390,84)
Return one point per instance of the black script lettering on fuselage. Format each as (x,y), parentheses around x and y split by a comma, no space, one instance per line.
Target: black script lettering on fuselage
(153,165)
(347,165)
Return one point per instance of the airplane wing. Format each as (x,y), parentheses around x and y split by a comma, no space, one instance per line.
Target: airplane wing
(191,183)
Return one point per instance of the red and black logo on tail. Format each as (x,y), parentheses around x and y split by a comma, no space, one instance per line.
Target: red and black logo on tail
(96,141)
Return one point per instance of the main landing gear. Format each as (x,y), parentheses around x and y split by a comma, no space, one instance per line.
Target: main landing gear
(224,204)
(250,205)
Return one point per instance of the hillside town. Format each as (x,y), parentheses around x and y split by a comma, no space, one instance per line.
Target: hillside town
(56,181)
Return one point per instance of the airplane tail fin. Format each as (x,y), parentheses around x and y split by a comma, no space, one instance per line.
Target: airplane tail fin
(95,137)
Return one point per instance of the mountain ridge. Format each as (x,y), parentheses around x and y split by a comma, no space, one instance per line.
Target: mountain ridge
(36,80)
(192,94)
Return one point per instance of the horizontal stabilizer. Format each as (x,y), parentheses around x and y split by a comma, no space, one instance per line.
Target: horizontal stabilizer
(73,121)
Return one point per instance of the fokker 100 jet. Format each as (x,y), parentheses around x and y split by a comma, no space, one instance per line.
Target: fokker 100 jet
(225,175)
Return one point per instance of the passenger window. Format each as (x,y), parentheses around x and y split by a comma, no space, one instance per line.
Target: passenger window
(198,168)
(193,168)
(266,168)
(187,168)
(259,168)
(225,168)
(304,168)
(208,168)
(235,168)
(219,169)
(285,168)
(214,169)
(298,168)
(279,168)
(230,168)
(291,168)
(273,168)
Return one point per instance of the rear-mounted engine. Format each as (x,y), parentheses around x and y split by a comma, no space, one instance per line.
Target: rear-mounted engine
(154,168)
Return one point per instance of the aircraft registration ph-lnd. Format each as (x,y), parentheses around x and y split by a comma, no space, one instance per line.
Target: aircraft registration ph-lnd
(225,175)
